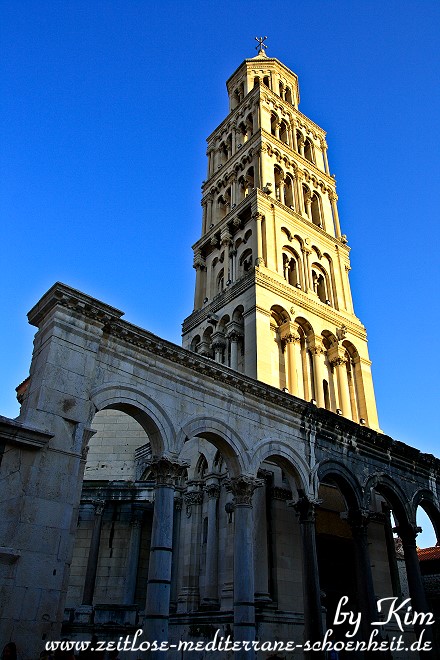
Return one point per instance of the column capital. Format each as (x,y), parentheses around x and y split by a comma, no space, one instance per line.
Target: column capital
(289,332)
(408,533)
(358,519)
(305,509)
(257,216)
(234,331)
(218,340)
(337,356)
(212,490)
(315,344)
(243,488)
(165,471)
(199,262)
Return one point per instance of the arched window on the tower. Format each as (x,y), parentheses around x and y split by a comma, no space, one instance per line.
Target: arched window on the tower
(279,179)
(220,281)
(284,132)
(316,210)
(308,150)
(288,191)
(321,284)
(250,179)
(288,95)
(222,206)
(223,152)
(245,263)
(266,81)
(195,341)
(291,268)
(281,89)
(256,81)
(244,134)
(249,125)
(273,123)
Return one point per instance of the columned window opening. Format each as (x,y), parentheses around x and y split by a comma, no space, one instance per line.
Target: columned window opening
(284,132)
(274,121)
(281,90)
(256,81)
(250,180)
(308,150)
(316,210)
(220,281)
(279,184)
(289,191)
(245,264)
(319,284)
(288,96)
(266,81)
(291,268)
(249,125)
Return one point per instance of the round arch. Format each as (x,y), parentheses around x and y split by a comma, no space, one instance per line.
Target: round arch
(347,483)
(429,503)
(286,458)
(222,436)
(393,493)
(130,400)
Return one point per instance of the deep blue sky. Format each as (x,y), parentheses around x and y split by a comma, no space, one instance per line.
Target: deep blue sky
(105,107)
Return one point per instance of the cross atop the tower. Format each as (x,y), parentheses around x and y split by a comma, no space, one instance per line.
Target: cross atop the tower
(261,45)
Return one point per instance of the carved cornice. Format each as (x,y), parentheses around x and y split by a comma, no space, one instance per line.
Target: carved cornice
(75,301)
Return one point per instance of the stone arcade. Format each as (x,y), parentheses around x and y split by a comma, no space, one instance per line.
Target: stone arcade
(240,483)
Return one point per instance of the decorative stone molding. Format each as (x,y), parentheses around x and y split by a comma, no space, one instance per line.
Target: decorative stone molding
(243,488)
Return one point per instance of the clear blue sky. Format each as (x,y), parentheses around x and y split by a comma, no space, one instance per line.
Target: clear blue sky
(105,107)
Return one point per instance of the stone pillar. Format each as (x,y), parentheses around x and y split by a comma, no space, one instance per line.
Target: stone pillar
(261,541)
(339,361)
(218,344)
(318,352)
(333,199)
(189,596)
(92,561)
(157,607)
(308,205)
(233,273)
(208,212)
(200,267)
(324,146)
(244,605)
(134,548)
(301,145)
(313,628)
(210,598)
(235,333)
(225,241)
(234,138)
(258,217)
(358,521)
(290,336)
(178,501)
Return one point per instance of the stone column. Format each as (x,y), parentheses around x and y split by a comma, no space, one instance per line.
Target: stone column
(244,581)
(324,146)
(261,541)
(134,548)
(318,352)
(294,136)
(208,212)
(234,138)
(178,501)
(300,141)
(408,534)
(233,273)
(234,336)
(157,607)
(333,199)
(258,217)
(308,205)
(210,598)
(218,344)
(339,361)
(92,561)
(189,596)
(200,267)
(313,628)
(225,241)
(358,521)
(290,336)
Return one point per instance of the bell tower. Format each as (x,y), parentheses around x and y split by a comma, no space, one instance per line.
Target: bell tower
(272,296)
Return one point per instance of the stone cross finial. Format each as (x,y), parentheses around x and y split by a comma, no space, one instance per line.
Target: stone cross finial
(261,45)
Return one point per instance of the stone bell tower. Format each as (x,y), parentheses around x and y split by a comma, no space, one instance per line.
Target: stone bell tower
(272,295)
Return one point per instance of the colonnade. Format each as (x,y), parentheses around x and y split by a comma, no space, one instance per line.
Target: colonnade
(162,587)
